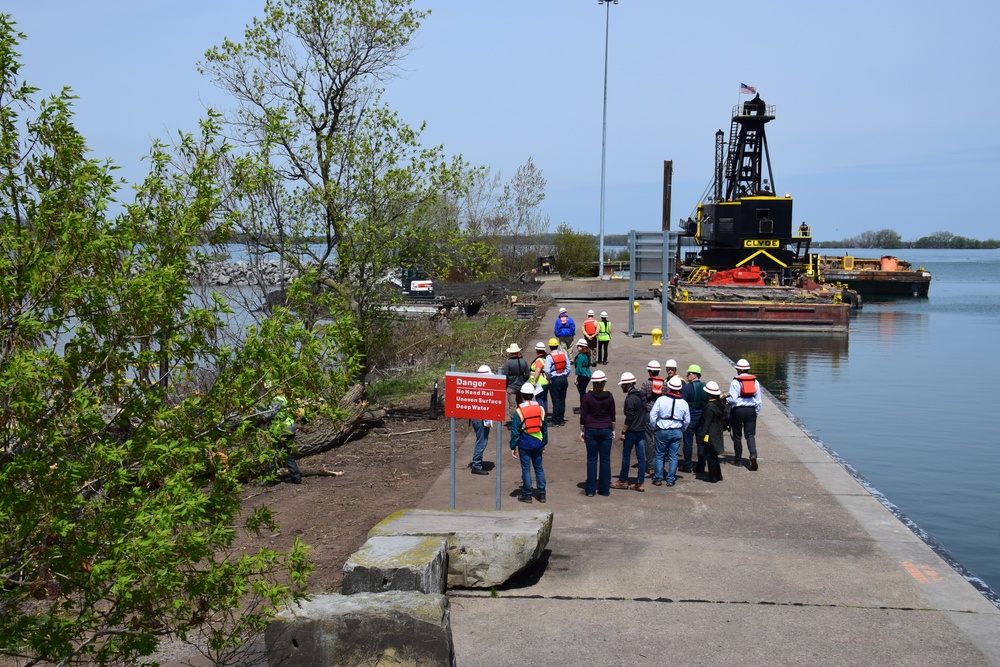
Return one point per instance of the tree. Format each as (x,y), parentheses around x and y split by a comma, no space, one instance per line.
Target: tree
(574,250)
(507,216)
(120,488)
(351,174)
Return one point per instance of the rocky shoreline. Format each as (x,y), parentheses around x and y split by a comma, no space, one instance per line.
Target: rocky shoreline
(242,273)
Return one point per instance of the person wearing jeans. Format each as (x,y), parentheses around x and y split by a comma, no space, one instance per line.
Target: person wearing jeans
(633,434)
(597,432)
(528,436)
(482,430)
(670,416)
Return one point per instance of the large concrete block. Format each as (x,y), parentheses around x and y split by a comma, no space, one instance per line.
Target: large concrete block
(398,563)
(485,547)
(396,628)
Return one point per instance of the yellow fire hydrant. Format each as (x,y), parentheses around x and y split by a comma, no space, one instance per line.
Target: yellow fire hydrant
(635,307)
(657,334)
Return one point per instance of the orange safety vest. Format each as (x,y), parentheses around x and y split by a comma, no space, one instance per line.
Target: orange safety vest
(531,417)
(657,385)
(559,362)
(590,327)
(748,387)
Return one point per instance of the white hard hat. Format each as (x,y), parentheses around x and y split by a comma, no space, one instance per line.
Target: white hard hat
(582,343)
(653,365)
(590,312)
(742,365)
(603,314)
(675,384)
(562,310)
(540,346)
(598,376)
(484,369)
(670,363)
(712,388)
(627,378)
(514,348)
(528,389)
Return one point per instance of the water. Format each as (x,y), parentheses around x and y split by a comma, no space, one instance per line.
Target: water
(908,398)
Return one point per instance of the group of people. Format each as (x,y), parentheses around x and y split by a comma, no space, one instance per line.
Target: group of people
(671,424)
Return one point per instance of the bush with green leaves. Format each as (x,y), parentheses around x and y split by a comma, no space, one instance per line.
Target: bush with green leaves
(120,484)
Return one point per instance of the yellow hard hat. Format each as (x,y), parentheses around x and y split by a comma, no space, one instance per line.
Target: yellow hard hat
(553,342)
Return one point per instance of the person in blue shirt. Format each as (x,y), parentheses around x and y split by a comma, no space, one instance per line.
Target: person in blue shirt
(564,330)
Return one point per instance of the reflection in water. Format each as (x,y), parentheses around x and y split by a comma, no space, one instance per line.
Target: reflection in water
(909,403)
(780,359)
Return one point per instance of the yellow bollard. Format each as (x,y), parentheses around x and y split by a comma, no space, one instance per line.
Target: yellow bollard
(635,307)
(657,334)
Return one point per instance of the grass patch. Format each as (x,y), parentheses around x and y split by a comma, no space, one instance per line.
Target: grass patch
(430,348)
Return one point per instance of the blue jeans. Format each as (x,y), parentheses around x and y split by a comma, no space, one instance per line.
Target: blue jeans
(531,458)
(668,441)
(689,436)
(598,441)
(482,429)
(633,439)
(559,385)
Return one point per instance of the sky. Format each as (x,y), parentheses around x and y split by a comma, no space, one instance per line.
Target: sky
(885,110)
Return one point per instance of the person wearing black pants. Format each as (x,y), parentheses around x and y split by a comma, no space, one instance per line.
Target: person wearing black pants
(744,399)
(581,366)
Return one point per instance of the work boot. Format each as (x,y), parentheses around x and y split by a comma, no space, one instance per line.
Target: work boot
(541,497)
(524,499)
(753,463)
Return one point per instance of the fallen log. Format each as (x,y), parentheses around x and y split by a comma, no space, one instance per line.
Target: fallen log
(322,434)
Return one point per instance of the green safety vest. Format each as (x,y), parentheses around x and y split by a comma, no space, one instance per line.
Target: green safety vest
(604,330)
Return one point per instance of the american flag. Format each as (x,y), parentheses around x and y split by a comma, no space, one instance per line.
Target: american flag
(747,90)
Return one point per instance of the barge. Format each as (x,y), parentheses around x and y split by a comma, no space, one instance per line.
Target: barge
(884,277)
(753,268)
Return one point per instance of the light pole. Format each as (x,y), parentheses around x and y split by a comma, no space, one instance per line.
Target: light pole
(604,132)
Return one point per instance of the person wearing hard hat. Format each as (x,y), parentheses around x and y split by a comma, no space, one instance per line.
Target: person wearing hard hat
(516,370)
(590,335)
(694,393)
(597,431)
(528,436)
(670,370)
(581,366)
(652,389)
(633,434)
(481,427)
(282,428)
(670,416)
(603,338)
(710,430)
(744,402)
(557,367)
(564,329)
(537,376)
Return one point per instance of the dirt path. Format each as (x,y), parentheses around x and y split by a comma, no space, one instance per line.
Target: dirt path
(382,473)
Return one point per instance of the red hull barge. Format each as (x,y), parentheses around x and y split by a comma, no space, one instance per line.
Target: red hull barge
(763,316)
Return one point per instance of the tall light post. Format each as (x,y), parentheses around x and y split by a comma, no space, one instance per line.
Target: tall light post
(604,132)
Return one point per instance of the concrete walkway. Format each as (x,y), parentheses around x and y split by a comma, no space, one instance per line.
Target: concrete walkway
(794,564)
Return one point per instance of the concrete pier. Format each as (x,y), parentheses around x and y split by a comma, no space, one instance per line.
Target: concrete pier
(796,563)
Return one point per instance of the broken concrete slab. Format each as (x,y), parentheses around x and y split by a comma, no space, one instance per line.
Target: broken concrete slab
(397,563)
(485,547)
(367,629)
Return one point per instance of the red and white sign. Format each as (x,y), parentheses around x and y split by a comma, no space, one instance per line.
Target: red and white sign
(475,396)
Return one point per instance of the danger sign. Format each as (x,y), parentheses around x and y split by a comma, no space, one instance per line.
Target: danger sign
(475,396)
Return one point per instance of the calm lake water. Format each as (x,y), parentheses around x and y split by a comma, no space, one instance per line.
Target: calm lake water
(908,398)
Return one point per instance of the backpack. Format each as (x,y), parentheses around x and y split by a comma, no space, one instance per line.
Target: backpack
(748,385)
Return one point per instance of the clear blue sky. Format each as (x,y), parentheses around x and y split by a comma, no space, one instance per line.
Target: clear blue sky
(886,111)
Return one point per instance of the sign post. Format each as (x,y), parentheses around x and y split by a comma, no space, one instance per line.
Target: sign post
(474,396)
